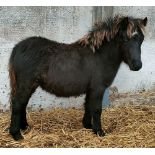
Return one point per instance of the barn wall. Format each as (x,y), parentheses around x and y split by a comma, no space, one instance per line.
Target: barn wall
(67,24)
(63,24)
(145,78)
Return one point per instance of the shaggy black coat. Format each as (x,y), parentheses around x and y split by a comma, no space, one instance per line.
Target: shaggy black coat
(87,66)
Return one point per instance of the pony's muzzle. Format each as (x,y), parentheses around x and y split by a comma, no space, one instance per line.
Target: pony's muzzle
(136,65)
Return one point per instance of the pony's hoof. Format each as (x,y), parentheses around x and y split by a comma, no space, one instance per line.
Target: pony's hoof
(87,126)
(100,132)
(17,136)
(26,129)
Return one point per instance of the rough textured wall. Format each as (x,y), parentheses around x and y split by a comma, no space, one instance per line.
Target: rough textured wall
(145,78)
(67,24)
(64,24)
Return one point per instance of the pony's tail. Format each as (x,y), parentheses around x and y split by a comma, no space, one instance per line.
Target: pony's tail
(12,76)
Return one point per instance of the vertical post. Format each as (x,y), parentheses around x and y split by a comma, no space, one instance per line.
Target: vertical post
(100,13)
(97,14)
(106,101)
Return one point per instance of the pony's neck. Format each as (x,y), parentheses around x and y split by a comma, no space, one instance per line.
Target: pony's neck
(112,52)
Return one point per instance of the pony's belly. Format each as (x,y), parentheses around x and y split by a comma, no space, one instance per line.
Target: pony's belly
(65,88)
(66,91)
(67,81)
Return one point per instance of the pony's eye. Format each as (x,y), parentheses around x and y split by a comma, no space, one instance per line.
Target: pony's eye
(135,37)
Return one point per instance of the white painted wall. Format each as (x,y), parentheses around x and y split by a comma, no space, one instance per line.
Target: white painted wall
(127,80)
(67,24)
(63,24)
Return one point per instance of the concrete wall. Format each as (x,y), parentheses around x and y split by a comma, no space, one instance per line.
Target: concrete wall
(67,24)
(144,79)
(63,24)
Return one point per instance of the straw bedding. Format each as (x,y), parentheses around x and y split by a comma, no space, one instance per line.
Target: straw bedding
(125,126)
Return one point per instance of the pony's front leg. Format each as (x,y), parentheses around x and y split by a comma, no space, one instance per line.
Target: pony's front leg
(95,101)
(87,118)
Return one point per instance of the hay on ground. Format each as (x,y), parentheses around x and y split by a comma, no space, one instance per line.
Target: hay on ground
(125,126)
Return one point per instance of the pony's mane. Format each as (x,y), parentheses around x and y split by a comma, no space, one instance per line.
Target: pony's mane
(107,30)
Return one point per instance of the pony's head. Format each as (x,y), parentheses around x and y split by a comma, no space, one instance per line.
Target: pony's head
(128,33)
(131,36)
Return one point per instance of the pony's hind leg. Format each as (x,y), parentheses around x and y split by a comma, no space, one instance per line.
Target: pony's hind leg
(23,124)
(18,104)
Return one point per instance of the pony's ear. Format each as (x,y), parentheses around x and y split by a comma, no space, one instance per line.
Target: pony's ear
(144,21)
(124,23)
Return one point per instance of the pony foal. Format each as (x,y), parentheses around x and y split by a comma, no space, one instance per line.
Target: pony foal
(87,66)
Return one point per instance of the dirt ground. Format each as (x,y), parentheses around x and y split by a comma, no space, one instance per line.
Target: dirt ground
(128,122)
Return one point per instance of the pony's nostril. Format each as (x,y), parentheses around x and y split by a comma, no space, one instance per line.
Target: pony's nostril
(137,65)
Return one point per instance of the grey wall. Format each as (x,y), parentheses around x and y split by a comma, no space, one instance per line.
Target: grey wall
(145,78)
(67,24)
(63,24)
(58,23)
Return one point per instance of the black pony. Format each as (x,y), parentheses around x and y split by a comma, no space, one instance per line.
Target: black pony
(87,66)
